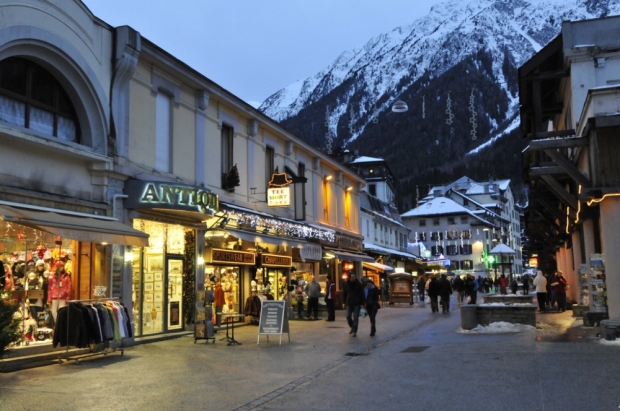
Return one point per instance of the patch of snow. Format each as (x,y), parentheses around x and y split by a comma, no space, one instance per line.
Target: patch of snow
(606,342)
(498,327)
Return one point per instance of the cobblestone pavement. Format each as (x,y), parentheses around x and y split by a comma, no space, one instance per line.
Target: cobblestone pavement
(417,361)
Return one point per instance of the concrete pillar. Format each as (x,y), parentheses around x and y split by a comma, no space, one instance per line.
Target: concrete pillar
(577,264)
(610,240)
(588,238)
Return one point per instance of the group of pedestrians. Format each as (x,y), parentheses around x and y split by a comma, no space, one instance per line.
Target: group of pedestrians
(550,292)
(357,295)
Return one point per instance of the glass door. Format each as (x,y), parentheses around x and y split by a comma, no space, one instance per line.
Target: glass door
(174,294)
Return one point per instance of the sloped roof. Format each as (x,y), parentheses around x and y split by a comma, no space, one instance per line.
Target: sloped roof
(365,159)
(442,206)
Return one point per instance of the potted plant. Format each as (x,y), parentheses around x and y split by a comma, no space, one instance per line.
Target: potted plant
(231,179)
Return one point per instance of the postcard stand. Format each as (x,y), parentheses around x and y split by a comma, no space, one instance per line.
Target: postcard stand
(104,351)
(203,326)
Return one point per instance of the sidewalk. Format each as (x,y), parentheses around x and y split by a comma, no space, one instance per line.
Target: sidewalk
(417,361)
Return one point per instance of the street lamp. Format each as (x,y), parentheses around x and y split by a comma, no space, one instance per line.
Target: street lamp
(400,107)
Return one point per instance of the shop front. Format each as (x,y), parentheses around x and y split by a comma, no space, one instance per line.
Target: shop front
(308,262)
(167,273)
(342,258)
(54,257)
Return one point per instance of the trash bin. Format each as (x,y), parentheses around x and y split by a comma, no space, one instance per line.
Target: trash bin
(468,317)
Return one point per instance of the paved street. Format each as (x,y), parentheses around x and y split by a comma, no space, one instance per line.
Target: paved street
(559,366)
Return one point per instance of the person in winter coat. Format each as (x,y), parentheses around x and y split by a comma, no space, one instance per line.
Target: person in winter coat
(559,284)
(445,291)
(514,286)
(421,287)
(526,284)
(503,284)
(471,288)
(371,303)
(330,294)
(459,287)
(313,291)
(540,282)
(353,294)
(433,291)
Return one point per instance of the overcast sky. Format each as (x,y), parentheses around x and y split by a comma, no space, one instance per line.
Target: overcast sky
(254,48)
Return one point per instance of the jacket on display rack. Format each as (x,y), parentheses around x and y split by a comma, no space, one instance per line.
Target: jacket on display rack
(80,324)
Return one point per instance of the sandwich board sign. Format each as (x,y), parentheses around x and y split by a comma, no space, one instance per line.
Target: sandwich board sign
(273,319)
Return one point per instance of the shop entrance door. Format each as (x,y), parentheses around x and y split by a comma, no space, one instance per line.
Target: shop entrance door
(174,293)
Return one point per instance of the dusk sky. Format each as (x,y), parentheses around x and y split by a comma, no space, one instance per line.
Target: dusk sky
(254,48)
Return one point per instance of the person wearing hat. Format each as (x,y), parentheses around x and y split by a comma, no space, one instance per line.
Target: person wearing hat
(540,282)
(371,303)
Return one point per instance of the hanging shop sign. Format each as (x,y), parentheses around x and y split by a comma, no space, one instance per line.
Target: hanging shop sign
(438,263)
(349,243)
(279,197)
(219,256)
(273,260)
(308,252)
(170,196)
(278,191)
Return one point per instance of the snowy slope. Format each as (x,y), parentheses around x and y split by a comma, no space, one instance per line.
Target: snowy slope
(389,63)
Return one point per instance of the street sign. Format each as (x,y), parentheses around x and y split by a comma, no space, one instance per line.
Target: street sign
(273,319)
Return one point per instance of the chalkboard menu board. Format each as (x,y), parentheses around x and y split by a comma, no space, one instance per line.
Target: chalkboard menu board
(273,319)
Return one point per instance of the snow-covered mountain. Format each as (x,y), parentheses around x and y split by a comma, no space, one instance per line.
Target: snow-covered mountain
(464,51)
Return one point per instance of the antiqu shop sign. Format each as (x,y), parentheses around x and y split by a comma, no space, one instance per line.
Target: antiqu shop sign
(172,196)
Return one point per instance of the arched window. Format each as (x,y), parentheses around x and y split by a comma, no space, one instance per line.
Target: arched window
(31,97)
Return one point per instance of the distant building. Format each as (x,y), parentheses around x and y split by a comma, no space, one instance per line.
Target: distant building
(457,225)
(385,235)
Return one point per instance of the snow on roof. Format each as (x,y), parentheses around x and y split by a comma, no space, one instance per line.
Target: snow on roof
(364,159)
(443,206)
(372,246)
(475,188)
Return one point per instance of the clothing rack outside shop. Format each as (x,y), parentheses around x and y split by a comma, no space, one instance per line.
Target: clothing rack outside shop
(104,351)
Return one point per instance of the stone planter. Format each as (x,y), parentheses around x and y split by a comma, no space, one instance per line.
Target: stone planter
(487,314)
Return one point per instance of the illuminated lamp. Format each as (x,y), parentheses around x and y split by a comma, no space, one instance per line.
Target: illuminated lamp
(328,177)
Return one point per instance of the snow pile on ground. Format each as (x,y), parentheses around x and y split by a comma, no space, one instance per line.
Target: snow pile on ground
(504,304)
(607,342)
(498,327)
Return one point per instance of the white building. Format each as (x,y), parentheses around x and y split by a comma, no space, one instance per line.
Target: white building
(463,221)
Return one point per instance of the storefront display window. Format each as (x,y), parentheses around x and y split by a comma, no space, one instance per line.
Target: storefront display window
(42,272)
(157,281)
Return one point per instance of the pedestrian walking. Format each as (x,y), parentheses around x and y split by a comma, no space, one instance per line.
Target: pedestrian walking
(471,288)
(353,294)
(503,284)
(549,300)
(371,303)
(459,287)
(445,291)
(496,284)
(526,284)
(432,289)
(422,287)
(540,282)
(560,285)
(514,286)
(330,293)
(385,292)
(313,291)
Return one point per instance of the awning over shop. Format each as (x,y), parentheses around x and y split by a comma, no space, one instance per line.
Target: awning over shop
(263,238)
(349,256)
(378,266)
(389,251)
(76,226)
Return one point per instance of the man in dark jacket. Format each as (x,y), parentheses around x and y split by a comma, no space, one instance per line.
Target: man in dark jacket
(459,287)
(444,290)
(433,292)
(353,294)
(471,288)
(371,303)
(421,287)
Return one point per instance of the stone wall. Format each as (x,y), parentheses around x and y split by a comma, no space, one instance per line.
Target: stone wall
(510,314)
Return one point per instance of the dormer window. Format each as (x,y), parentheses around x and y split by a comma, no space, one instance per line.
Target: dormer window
(32,98)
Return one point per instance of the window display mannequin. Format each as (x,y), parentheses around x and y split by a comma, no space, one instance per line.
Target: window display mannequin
(58,289)
(219,303)
(33,283)
(6,281)
(18,275)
